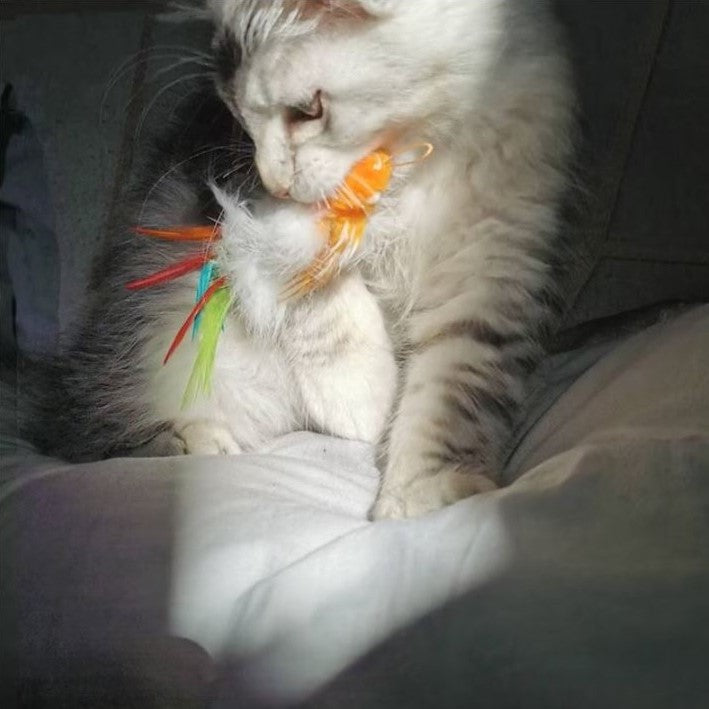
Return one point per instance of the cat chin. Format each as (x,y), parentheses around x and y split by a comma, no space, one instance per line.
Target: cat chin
(319,171)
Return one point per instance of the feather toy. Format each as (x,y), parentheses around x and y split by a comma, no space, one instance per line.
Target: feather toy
(219,284)
(205,278)
(344,220)
(214,314)
(182,233)
(181,268)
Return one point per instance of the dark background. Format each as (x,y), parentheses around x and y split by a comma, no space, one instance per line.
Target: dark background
(641,221)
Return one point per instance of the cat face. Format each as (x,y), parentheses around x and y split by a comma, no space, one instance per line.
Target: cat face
(313,90)
(320,83)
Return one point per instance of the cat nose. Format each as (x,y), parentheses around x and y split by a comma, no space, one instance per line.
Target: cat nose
(275,176)
(275,187)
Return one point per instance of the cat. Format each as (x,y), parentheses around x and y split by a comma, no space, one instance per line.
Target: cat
(423,343)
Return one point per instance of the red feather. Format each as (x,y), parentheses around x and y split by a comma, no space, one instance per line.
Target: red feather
(181,268)
(219,283)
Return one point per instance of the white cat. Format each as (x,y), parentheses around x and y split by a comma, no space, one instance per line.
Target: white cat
(424,341)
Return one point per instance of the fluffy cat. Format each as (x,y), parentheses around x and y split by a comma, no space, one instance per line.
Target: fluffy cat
(423,342)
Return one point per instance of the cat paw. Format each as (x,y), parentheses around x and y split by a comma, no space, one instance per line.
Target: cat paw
(205,438)
(429,494)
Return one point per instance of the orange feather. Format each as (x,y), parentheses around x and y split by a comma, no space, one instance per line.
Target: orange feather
(345,220)
(182,233)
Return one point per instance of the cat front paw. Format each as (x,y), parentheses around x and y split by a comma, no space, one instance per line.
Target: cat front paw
(205,438)
(428,494)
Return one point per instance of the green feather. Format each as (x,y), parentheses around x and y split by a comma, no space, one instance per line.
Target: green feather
(213,316)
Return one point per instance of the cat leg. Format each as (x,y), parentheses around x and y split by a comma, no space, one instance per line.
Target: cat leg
(449,485)
(473,342)
(342,360)
(442,444)
(191,438)
(163,445)
(197,437)
(204,437)
(202,428)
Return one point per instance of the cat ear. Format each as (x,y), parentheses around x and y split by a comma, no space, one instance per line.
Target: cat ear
(344,9)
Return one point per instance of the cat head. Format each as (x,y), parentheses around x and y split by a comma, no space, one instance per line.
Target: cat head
(320,83)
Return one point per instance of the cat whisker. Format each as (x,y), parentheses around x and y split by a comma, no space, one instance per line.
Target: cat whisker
(241,149)
(353,198)
(176,65)
(138,57)
(144,56)
(161,92)
(254,178)
(325,200)
(171,169)
(235,168)
(184,11)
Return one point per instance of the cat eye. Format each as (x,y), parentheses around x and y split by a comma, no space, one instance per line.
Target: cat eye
(312,111)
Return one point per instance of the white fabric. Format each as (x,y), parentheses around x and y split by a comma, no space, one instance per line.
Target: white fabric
(268,562)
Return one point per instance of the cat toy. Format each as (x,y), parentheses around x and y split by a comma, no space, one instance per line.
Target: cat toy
(344,220)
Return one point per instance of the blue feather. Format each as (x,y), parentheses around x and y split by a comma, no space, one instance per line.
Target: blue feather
(205,278)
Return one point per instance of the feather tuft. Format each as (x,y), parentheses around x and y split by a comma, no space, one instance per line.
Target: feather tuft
(213,317)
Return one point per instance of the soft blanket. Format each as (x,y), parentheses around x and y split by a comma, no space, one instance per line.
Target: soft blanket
(583,583)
